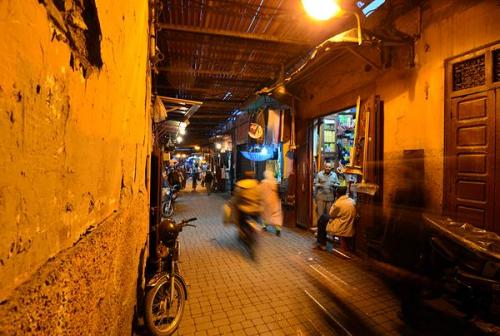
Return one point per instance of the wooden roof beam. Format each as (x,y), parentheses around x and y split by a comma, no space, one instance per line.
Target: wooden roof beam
(222,104)
(223,59)
(202,126)
(212,91)
(234,34)
(253,76)
(211,116)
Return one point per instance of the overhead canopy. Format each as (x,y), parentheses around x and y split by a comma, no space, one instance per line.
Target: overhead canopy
(220,52)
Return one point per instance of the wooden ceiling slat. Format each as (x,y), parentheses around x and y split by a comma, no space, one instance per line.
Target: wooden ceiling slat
(235,34)
(211,116)
(241,75)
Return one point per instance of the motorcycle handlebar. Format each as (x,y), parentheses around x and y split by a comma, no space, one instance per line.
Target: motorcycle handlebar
(186,221)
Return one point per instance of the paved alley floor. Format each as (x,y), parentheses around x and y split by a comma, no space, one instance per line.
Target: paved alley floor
(289,289)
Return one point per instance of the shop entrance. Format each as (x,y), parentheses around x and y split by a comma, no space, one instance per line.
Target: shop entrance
(333,138)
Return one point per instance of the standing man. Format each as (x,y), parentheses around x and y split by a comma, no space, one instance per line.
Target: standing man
(324,184)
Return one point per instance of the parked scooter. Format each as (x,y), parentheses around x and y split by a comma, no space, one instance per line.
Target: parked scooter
(169,200)
(167,290)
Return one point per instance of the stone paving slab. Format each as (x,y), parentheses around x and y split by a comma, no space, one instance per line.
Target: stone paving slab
(289,289)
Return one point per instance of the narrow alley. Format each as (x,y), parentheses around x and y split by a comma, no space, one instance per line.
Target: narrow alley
(289,289)
(341,158)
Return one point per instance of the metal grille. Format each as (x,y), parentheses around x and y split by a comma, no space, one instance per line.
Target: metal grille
(469,73)
(496,65)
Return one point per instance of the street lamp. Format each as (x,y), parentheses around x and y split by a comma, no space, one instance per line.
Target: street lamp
(179,139)
(321,10)
(218,145)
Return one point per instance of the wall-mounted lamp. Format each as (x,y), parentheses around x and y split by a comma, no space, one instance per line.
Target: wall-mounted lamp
(326,9)
(321,10)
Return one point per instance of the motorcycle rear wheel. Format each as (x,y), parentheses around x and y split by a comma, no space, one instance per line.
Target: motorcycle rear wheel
(162,316)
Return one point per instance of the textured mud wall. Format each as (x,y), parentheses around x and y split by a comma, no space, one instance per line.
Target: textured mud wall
(413,97)
(75,138)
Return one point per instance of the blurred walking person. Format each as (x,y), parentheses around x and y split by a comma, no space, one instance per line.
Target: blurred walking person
(195,175)
(209,179)
(271,203)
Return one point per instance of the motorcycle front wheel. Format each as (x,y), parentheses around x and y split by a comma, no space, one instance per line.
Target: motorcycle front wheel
(168,208)
(163,316)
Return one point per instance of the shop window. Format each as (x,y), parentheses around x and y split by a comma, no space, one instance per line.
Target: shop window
(334,138)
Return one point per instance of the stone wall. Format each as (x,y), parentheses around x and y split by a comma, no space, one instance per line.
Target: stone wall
(75,144)
(413,96)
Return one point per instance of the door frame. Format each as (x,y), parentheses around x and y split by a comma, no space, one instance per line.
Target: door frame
(450,95)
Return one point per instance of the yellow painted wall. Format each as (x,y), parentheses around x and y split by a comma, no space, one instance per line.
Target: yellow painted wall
(415,100)
(73,167)
(413,97)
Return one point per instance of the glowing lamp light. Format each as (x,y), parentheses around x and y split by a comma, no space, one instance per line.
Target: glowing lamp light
(256,156)
(321,10)
(218,145)
(197,147)
(182,131)
(179,139)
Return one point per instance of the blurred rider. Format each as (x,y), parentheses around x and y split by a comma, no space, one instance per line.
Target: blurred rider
(247,200)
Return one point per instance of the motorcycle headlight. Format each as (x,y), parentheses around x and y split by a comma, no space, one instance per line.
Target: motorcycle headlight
(163,251)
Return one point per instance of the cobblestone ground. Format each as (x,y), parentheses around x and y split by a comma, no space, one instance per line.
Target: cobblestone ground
(288,289)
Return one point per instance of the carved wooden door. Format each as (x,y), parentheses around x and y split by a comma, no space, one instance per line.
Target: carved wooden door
(472,138)
(471,153)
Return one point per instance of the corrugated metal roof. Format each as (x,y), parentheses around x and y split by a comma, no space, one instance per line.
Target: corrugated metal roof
(222,51)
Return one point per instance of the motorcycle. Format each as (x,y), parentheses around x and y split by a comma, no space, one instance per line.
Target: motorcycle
(248,230)
(169,200)
(166,291)
(472,281)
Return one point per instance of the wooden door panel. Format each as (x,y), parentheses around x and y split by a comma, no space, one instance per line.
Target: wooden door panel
(471,163)
(472,109)
(303,169)
(472,159)
(475,135)
(471,190)
(472,215)
(496,220)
